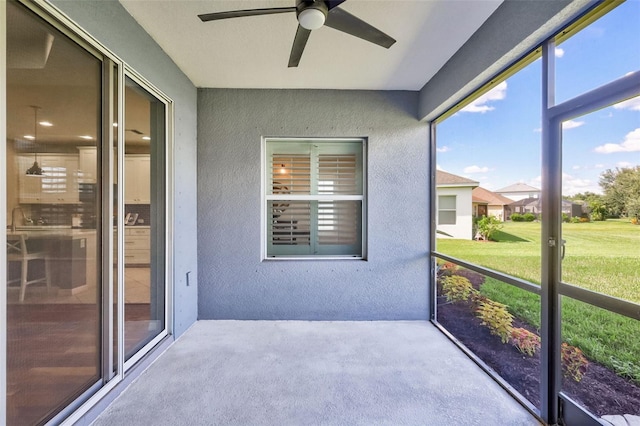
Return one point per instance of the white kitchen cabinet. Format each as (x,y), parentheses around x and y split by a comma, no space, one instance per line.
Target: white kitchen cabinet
(137,179)
(88,164)
(137,246)
(58,185)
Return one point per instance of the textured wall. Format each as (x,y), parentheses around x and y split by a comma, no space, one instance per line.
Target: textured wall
(131,43)
(234,283)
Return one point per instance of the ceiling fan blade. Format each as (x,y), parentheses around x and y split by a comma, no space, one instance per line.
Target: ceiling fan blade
(341,20)
(334,3)
(240,13)
(302,35)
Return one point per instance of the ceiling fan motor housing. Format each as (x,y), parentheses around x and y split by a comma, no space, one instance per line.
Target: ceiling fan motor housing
(311,14)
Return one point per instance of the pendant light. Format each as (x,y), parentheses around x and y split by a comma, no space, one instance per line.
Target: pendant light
(35,169)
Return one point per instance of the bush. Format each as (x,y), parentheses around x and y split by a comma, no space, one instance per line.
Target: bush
(488,226)
(576,219)
(529,217)
(456,288)
(525,341)
(517,217)
(496,317)
(574,364)
(565,218)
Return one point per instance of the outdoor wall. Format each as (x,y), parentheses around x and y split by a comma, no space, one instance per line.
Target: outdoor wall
(463,229)
(235,283)
(109,23)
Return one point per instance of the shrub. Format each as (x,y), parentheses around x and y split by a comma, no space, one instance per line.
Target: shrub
(488,226)
(565,218)
(496,317)
(576,219)
(574,364)
(456,288)
(529,217)
(517,217)
(525,341)
(634,220)
(584,219)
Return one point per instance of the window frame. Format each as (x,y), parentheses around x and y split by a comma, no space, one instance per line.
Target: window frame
(448,210)
(267,196)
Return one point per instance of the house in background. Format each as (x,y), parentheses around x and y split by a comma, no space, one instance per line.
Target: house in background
(488,203)
(519,191)
(454,205)
(534,205)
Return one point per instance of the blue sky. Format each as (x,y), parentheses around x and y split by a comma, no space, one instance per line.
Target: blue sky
(496,139)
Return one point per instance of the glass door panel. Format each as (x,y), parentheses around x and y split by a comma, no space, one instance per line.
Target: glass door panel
(144,217)
(54,292)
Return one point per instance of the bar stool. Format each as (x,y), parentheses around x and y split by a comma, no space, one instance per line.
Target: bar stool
(17,252)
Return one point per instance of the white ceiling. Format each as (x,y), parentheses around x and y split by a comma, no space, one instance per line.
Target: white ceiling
(252,52)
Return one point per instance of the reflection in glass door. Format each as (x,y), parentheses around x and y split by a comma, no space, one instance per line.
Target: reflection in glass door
(144,284)
(54,292)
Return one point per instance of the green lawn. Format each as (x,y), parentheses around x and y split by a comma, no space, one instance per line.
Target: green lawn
(601,256)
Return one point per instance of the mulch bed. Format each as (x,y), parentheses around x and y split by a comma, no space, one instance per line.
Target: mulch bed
(601,391)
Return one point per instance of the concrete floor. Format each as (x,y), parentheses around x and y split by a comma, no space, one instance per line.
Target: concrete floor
(314,373)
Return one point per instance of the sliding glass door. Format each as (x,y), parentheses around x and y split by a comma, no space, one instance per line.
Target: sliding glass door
(54,239)
(86,185)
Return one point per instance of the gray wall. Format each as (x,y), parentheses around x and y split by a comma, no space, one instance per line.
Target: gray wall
(109,23)
(515,28)
(235,284)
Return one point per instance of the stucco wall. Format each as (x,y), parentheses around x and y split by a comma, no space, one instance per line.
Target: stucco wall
(110,24)
(463,229)
(235,283)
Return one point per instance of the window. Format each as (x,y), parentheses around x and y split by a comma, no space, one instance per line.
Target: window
(447,210)
(315,198)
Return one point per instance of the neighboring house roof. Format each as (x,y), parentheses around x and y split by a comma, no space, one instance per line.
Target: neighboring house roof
(532,202)
(517,187)
(484,196)
(451,180)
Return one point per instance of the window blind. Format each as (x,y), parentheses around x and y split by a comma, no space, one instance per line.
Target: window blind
(314,198)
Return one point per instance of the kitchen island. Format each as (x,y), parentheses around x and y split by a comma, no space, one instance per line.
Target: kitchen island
(71,254)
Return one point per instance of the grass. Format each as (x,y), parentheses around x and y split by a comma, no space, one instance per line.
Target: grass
(601,256)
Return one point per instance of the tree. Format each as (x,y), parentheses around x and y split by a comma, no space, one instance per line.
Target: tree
(622,191)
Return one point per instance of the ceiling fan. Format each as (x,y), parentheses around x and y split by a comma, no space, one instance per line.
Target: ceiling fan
(313,14)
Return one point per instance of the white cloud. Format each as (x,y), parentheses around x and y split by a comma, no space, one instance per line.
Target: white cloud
(475,169)
(538,130)
(623,164)
(631,143)
(576,167)
(498,93)
(572,185)
(633,104)
(438,167)
(443,149)
(599,166)
(571,124)
(559,52)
